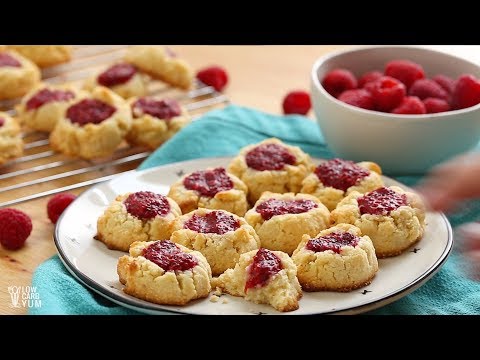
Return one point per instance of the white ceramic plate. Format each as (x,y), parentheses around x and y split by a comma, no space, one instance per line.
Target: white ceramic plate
(95,266)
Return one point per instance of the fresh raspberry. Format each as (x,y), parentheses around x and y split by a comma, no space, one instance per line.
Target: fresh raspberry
(447,83)
(369,77)
(433,105)
(387,93)
(466,92)
(57,204)
(358,97)
(425,88)
(339,80)
(404,70)
(215,76)
(410,105)
(15,228)
(297,102)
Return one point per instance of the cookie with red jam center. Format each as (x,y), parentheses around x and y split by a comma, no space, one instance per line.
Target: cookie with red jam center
(271,166)
(393,218)
(337,259)
(264,277)
(138,216)
(280,220)
(210,189)
(164,273)
(334,179)
(219,235)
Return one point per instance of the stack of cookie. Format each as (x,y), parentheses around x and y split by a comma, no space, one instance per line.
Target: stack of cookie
(111,107)
(269,225)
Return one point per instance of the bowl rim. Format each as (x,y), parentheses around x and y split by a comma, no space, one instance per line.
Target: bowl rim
(378,114)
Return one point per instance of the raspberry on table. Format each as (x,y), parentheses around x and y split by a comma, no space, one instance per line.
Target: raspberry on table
(57,204)
(15,228)
(425,88)
(404,70)
(466,92)
(447,83)
(297,102)
(433,105)
(358,97)
(214,76)
(369,77)
(339,80)
(410,105)
(387,93)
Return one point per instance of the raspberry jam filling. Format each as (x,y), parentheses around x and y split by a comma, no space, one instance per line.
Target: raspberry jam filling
(164,109)
(2,121)
(381,201)
(146,205)
(89,111)
(265,264)
(7,60)
(215,222)
(208,182)
(117,74)
(333,241)
(272,207)
(169,257)
(340,174)
(269,157)
(45,96)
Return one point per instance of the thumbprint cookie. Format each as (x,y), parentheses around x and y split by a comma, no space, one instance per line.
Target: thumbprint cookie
(336,259)
(138,216)
(272,166)
(219,235)
(18,75)
(155,121)
(332,180)
(393,218)
(264,277)
(164,273)
(93,126)
(280,220)
(210,189)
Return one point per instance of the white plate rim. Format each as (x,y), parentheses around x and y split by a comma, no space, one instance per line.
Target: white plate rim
(134,305)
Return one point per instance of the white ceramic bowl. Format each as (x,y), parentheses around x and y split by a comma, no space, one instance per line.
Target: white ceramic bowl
(400,144)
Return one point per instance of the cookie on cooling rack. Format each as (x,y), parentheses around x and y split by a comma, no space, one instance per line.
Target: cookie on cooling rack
(393,218)
(264,277)
(336,259)
(155,120)
(44,106)
(139,216)
(93,126)
(11,144)
(122,78)
(161,63)
(332,180)
(45,55)
(210,189)
(219,235)
(272,166)
(280,220)
(18,75)
(164,273)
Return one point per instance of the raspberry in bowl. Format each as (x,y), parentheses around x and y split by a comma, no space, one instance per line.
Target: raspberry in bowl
(417,132)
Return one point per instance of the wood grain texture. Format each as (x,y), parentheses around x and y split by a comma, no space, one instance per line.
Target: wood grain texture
(259,77)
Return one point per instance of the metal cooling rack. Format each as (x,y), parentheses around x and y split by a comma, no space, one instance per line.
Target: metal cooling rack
(24,179)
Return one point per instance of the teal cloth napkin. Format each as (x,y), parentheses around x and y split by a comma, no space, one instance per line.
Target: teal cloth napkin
(221,133)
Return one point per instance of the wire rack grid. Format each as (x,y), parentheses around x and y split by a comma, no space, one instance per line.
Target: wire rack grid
(43,172)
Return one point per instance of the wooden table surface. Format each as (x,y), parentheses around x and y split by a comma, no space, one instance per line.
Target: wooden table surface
(259,77)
